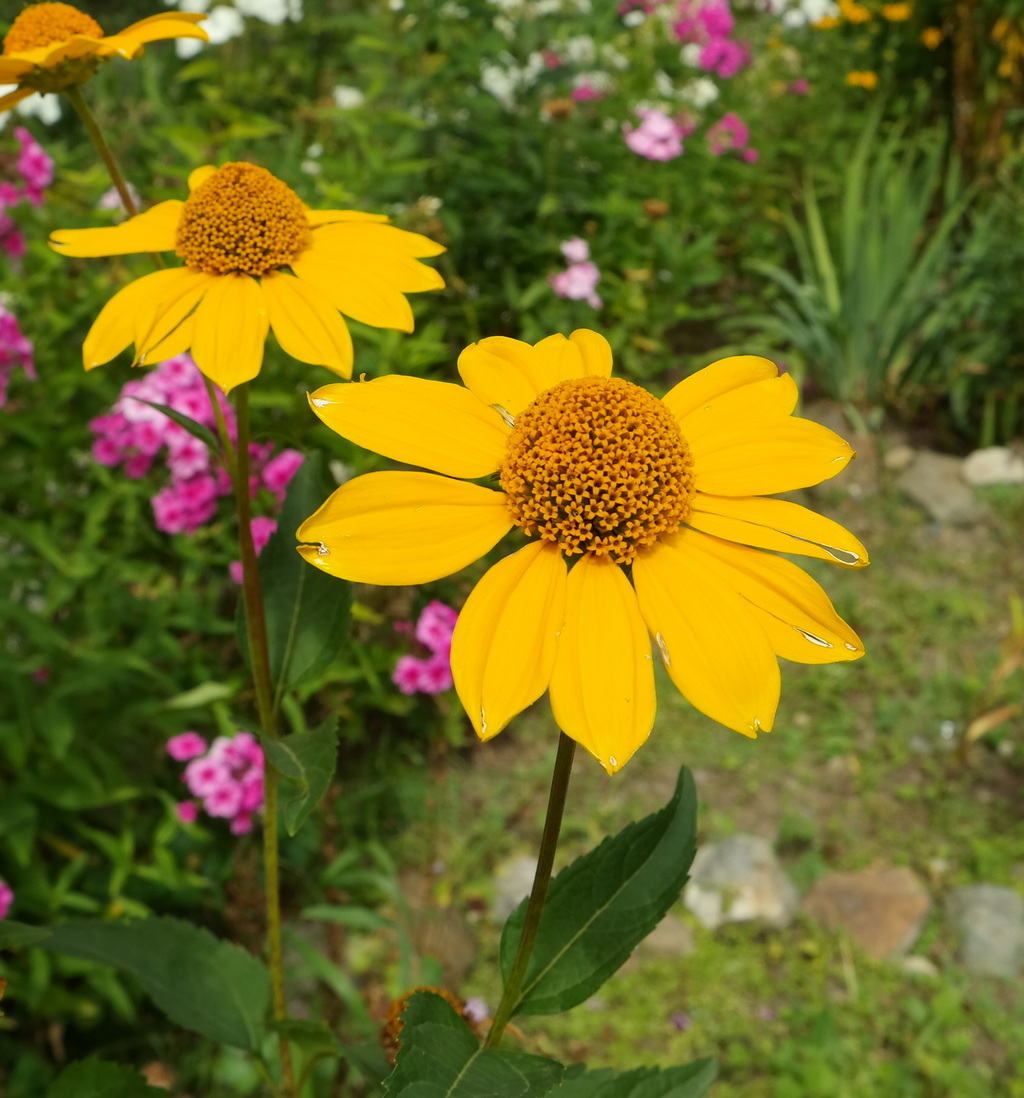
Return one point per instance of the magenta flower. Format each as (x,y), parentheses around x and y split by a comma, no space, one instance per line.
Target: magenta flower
(15,350)
(433,674)
(728,133)
(187,745)
(187,811)
(278,472)
(35,167)
(658,137)
(577,282)
(575,249)
(204,776)
(224,800)
(436,625)
(6,899)
(227,778)
(724,57)
(798,87)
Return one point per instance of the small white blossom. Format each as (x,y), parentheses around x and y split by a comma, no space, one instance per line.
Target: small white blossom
(690,54)
(634,18)
(700,92)
(347,98)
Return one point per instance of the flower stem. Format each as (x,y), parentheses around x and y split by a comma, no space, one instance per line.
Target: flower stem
(259,658)
(74,93)
(535,906)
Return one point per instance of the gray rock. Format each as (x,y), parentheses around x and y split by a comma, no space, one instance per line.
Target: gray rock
(899,457)
(934,481)
(994,465)
(990,922)
(740,880)
(670,938)
(513,881)
(882,909)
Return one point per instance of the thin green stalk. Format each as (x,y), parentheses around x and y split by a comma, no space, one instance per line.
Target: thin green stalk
(74,93)
(535,906)
(256,633)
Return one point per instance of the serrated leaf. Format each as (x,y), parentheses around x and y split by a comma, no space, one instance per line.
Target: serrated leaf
(98,1079)
(306,761)
(14,935)
(439,1057)
(603,905)
(196,429)
(201,982)
(306,611)
(690,1081)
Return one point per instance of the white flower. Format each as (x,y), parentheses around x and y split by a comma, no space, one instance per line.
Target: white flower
(611,56)
(44,106)
(500,82)
(316,150)
(222,24)
(579,49)
(274,12)
(396,5)
(347,98)
(663,82)
(700,92)
(311,167)
(600,82)
(191,5)
(690,54)
(634,18)
(451,10)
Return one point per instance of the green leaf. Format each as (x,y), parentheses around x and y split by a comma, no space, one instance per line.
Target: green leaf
(198,696)
(15,935)
(603,905)
(307,611)
(691,1081)
(198,430)
(314,1038)
(306,762)
(439,1057)
(350,915)
(96,1079)
(200,982)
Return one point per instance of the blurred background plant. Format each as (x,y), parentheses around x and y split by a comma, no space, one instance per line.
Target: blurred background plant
(842,179)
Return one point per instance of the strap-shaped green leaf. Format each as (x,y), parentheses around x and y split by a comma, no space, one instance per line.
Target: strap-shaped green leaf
(603,905)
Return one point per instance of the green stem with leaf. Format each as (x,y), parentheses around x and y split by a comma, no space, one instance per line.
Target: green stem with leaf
(535,906)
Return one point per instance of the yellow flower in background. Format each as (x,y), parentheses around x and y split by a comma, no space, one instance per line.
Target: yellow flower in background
(644,519)
(897,13)
(52,46)
(256,258)
(853,12)
(826,22)
(931,37)
(866,80)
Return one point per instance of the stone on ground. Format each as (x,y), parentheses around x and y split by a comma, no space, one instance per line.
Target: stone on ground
(935,482)
(994,465)
(990,922)
(740,880)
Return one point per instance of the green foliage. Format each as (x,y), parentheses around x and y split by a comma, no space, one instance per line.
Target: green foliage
(96,1079)
(690,1081)
(306,760)
(604,904)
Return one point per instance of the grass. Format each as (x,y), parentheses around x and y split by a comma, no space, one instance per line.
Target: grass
(862,769)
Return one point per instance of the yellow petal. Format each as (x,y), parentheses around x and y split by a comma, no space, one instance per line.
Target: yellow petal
(174,343)
(199,176)
(792,608)
(776,524)
(360,294)
(495,380)
(432,424)
(329,217)
(230,330)
(504,644)
(714,648)
(399,528)
(12,68)
(178,299)
(370,234)
(602,684)
(78,45)
(14,97)
(381,258)
(596,352)
(306,324)
(559,358)
(721,376)
(134,306)
(179,24)
(780,455)
(749,404)
(151,231)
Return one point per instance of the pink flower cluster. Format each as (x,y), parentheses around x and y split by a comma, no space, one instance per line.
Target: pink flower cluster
(35,170)
(729,133)
(432,675)
(659,136)
(6,899)
(15,350)
(709,24)
(227,779)
(578,281)
(132,434)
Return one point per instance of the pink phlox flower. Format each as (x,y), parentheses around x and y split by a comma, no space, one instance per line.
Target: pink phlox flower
(751,156)
(798,87)
(35,166)
(241,824)
(252,791)
(585,92)
(261,528)
(552,60)
(204,775)
(278,472)
(658,137)
(224,800)
(9,194)
(6,899)
(577,282)
(575,249)
(436,674)
(729,132)
(716,18)
(436,625)
(406,675)
(187,811)
(15,350)
(185,746)
(724,57)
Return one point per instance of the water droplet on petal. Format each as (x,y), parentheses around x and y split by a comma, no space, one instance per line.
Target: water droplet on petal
(321,402)
(322,550)
(812,638)
(852,647)
(483,722)
(664,649)
(613,761)
(506,415)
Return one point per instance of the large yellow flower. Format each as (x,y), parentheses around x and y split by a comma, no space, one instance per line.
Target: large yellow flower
(640,513)
(52,46)
(255,258)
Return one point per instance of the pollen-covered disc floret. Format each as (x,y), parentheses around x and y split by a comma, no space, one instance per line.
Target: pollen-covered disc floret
(242,219)
(598,465)
(42,24)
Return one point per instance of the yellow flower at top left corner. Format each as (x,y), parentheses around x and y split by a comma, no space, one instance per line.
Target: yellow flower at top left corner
(54,46)
(257,259)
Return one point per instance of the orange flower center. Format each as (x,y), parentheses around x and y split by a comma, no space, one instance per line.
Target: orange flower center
(43,24)
(242,219)
(598,465)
